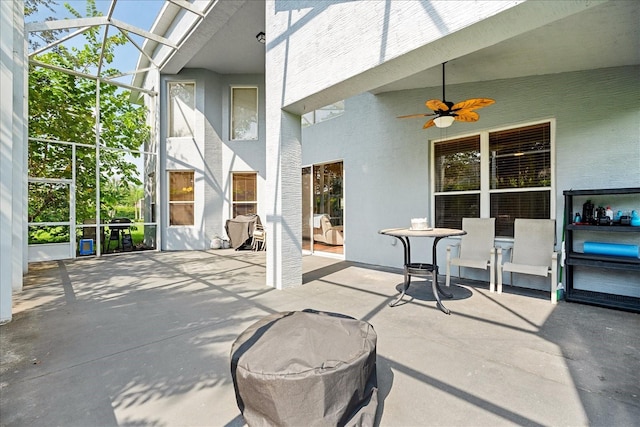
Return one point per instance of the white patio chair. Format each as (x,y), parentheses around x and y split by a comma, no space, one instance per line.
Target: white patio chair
(259,238)
(476,248)
(532,253)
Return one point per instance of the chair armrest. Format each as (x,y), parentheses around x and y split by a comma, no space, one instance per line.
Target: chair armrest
(504,251)
(453,245)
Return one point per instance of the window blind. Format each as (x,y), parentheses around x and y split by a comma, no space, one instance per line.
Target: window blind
(457,164)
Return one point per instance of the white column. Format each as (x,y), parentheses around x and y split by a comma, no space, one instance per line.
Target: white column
(20,147)
(11,152)
(283,167)
(284,200)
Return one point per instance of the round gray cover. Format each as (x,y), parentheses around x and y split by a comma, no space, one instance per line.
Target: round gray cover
(306,368)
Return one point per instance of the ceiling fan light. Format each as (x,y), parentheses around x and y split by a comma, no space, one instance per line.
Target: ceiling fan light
(444,121)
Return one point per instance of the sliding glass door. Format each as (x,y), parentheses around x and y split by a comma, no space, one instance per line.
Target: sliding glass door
(323,208)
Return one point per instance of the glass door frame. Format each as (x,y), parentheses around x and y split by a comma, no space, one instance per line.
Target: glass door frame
(312,207)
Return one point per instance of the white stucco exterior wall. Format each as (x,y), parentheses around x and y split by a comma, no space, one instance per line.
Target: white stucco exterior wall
(321,52)
(212,155)
(338,49)
(242,156)
(185,154)
(387,160)
(283,156)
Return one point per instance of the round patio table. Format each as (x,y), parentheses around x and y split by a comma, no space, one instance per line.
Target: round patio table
(420,269)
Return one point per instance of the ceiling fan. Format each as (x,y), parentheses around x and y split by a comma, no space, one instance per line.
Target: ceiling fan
(446,112)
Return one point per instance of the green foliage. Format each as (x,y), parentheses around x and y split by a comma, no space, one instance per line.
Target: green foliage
(48,234)
(63,107)
(123,211)
(39,38)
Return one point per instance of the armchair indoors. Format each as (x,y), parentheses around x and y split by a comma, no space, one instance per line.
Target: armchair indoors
(476,248)
(532,253)
(324,232)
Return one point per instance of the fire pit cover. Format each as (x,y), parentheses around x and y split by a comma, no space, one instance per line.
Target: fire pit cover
(306,368)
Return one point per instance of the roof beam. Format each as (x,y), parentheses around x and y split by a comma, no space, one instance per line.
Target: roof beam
(89,76)
(143,33)
(188,6)
(57,42)
(64,24)
(133,42)
(117,76)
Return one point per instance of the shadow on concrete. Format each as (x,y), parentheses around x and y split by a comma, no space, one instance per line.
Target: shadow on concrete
(145,340)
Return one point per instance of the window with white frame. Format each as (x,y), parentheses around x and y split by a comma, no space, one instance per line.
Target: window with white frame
(244,113)
(181,198)
(504,174)
(182,109)
(321,114)
(244,197)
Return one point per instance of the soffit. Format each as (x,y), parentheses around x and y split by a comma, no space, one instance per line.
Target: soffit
(604,36)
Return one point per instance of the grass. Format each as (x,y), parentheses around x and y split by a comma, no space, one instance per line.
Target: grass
(60,234)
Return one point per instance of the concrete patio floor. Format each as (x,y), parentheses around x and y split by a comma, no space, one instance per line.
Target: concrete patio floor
(144,339)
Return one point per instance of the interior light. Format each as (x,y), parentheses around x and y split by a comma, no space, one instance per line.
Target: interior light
(444,121)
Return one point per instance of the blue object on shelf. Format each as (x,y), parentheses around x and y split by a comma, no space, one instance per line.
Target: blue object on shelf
(86,247)
(613,249)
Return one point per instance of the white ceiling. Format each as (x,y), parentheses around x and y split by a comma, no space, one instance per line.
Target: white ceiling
(234,49)
(603,36)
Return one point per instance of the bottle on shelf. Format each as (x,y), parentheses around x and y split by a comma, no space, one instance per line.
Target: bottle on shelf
(587,212)
(577,219)
(617,217)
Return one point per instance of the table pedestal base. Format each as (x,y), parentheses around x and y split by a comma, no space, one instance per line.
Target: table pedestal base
(423,270)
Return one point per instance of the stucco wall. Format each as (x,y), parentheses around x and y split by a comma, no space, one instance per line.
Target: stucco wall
(386,160)
(243,156)
(329,42)
(211,155)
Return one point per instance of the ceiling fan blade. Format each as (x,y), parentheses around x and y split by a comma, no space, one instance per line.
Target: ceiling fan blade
(412,116)
(472,104)
(429,124)
(436,105)
(466,116)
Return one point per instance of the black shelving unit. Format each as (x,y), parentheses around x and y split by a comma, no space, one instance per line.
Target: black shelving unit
(575,260)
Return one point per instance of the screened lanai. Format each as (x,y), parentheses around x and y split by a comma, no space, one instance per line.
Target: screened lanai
(93,132)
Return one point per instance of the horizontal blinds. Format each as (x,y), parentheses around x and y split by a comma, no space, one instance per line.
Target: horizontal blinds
(521,158)
(181,186)
(244,187)
(457,164)
(450,209)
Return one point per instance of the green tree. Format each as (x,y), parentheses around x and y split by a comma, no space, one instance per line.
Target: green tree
(62,107)
(43,37)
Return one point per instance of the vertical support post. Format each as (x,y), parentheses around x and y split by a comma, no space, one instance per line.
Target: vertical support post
(99,228)
(12,154)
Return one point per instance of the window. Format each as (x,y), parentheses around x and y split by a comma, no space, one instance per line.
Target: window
(244,113)
(325,113)
(181,109)
(181,198)
(245,195)
(503,174)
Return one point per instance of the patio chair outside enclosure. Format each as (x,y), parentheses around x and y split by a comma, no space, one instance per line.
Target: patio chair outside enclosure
(476,248)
